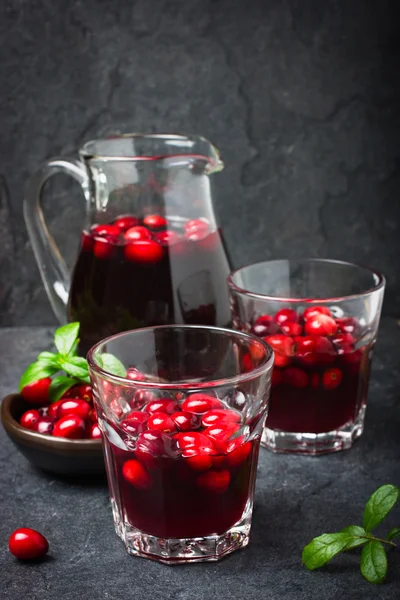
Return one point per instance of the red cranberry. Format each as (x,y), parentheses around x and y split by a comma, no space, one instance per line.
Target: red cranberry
(276,377)
(37,392)
(312,311)
(53,408)
(28,544)
(137,234)
(192,439)
(343,340)
(165,405)
(283,347)
(162,422)
(142,397)
(110,231)
(305,351)
(238,452)
(151,445)
(135,375)
(103,248)
(45,425)
(199,403)
(135,422)
(222,432)
(325,351)
(126,222)
(332,378)
(320,324)
(291,328)
(74,406)
(94,432)
(196,229)
(155,221)
(144,252)
(71,427)
(315,381)
(198,458)
(352,359)
(93,416)
(185,421)
(214,481)
(83,391)
(247,363)
(265,325)
(30,419)
(135,474)
(296,377)
(219,416)
(349,325)
(286,315)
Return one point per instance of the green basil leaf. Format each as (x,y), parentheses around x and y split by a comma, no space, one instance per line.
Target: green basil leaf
(76,366)
(59,386)
(74,349)
(324,547)
(359,536)
(373,563)
(65,337)
(111,364)
(379,505)
(393,533)
(35,371)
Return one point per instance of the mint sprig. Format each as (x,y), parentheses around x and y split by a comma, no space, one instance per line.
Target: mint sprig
(373,560)
(48,364)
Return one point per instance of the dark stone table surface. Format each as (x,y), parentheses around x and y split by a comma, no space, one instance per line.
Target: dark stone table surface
(297,498)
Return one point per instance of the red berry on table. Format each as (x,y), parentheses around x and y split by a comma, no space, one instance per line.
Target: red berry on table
(45,425)
(296,377)
(126,222)
(137,234)
(286,315)
(110,231)
(214,481)
(238,452)
(331,378)
(103,248)
(320,324)
(198,458)
(94,432)
(283,347)
(135,474)
(162,422)
(73,406)
(219,416)
(144,252)
(28,544)
(37,392)
(135,422)
(155,221)
(71,427)
(185,421)
(165,405)
(312,311)
(30,419)
(199,403)
(291,328)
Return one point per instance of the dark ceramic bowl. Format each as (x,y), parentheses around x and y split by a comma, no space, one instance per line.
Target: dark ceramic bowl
(53,454)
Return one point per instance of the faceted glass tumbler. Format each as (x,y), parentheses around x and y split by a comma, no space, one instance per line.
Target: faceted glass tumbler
(321,318)
(181,410)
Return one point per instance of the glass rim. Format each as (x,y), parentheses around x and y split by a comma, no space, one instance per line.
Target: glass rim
(232,285)
(215,383)
(88,150)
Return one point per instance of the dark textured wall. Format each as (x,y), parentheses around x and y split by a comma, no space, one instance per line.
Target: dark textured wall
(300,96)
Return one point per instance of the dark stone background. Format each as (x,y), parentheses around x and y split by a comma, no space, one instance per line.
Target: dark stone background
(300,96)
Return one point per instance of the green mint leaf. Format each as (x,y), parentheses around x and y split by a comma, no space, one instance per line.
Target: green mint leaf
(374,562)
(379,505)
(111,364)
(76,366)
(74,349)
(35,371)
(359,536)
(393,533)
(49,358)
(59,386)
(65,338)
(324,547)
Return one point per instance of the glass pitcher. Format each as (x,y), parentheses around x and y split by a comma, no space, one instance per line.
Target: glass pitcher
(151,252)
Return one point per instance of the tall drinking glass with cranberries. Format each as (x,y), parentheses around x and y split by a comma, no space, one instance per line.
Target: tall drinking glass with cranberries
(321,319)
(181,410)
(151,252)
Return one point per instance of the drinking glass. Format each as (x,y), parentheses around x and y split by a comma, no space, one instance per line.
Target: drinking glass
(181,410)
(321,318)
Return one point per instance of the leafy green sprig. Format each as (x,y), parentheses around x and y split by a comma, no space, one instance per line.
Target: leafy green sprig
(373,560)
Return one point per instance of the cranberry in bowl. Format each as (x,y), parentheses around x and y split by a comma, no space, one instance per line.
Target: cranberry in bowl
(321,318)
(181,412)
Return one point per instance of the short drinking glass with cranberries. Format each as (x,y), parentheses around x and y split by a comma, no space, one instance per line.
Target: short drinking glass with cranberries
(321,319)
(181,410)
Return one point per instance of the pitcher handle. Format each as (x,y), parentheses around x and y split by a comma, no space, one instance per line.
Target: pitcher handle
(52,267)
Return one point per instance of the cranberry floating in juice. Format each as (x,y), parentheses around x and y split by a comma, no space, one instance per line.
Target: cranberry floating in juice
(321,319)
(151,252)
